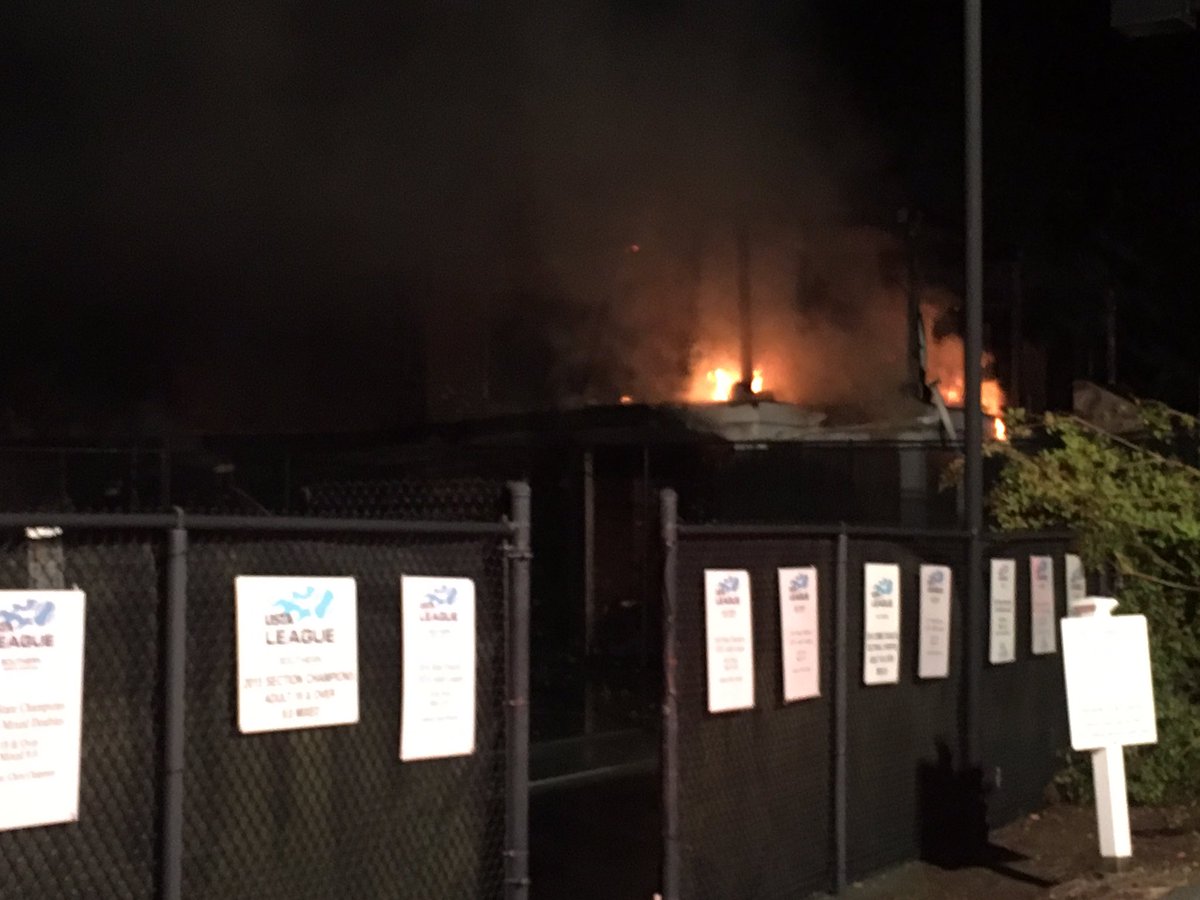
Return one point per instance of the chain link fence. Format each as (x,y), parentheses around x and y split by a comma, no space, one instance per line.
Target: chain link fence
(307,813)
(787,799)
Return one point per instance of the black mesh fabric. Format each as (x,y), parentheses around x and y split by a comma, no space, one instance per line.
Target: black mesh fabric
(112,851)
(755,785)
(332,811)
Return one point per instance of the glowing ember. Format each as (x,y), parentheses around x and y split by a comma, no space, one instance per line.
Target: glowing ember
(1000,428)
(626,399)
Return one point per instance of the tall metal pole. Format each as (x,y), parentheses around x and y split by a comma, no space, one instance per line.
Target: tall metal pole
(516,837)
(841,676)
(973,662)
(670,748)
(174,709)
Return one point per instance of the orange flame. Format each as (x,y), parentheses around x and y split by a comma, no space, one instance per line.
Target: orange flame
(716,384)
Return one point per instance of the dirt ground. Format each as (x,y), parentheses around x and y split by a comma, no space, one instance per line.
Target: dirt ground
(1053,855)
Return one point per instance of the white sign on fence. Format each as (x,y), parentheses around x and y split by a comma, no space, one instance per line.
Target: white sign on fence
(933,655)
(799,633)
(41,705)
(1076,579)
(730,638)
(297,652)
(881,623)
(1042,615)
(1002,643)
(1110,696)
(437,718)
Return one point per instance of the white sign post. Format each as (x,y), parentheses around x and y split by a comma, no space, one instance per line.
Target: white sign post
(437,718)
(297,652)
(730,638)
(933,654)
(799,634)
(1110,703)
(1041,605)
(41,705)
(1002,642)
(881,623)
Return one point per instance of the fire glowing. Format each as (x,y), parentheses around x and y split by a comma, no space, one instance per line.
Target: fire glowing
(716,385)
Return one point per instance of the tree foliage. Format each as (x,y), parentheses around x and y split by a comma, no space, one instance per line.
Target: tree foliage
(1134,501)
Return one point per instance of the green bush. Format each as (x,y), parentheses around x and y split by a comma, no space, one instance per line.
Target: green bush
(1135,504)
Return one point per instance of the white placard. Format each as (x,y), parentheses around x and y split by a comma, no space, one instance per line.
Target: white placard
(297,652)
(1042,617)
(933,655)
(41,706)
(881,623)
(437,718)
(1002,643)
(799,633)
(1110,696)
(730,639)
(1076,579)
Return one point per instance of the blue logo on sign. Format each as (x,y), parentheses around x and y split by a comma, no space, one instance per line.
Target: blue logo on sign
(727,585)
(883,588)
(441,596)
(299,609)
(31,612)
(1043,568)
(800,582)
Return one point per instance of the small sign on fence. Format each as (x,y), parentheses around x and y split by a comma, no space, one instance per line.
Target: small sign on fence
(881,623)
(799,633)
(41,704)
(1076,579)
(1002,642)
(730,639)
(1042,618)
(437,620)
(297,652)
(933,659)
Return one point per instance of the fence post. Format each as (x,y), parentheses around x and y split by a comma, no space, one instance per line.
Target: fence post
(516,825)
(841,678)
(669,506)
(174,700)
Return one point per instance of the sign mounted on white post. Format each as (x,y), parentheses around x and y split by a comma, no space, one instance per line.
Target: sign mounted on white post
(799,633)
(1042,616)
(729,633)
(437,717)
(41,706)
(1110,703)
(297,652)
(1002,642)
(1076,579)
(881,623)
(933,655)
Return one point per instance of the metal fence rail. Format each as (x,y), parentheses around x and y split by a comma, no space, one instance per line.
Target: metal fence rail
(176,803)
(787,799)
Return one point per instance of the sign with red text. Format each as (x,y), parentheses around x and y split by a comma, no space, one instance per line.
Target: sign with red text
(41,705)
(1042,618)
(1002,638)
(437,711)
(933,654)
(297,652)
(881,623)
(799,634)
(729,636)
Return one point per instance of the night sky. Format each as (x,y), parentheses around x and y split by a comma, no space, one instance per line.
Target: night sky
(235,217)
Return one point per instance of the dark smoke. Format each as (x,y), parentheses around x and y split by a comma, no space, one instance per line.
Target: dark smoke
(307,216)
